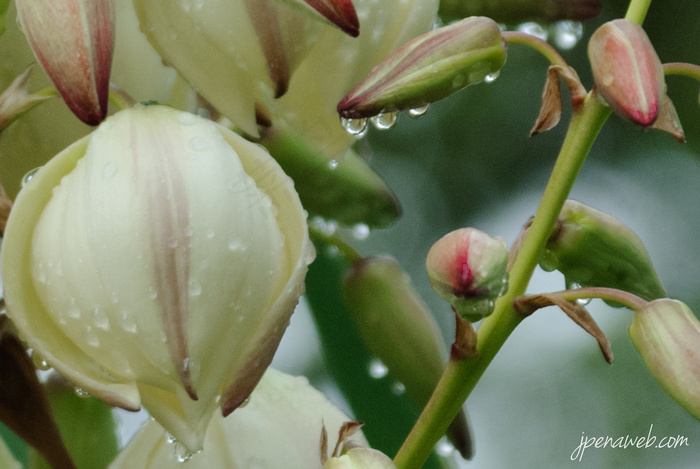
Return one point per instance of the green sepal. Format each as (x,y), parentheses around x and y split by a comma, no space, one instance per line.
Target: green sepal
(593,249)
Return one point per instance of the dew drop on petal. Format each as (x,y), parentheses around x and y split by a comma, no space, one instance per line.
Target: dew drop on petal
(29,176)
(186,118)
(182,453)
(80,392)
(377,368)
(152,293)
(534,29)
(384,120)
(356,127)
(39,361)
(198,143)
(73,310)
(169,438)
(398,388)
(194,288)
(110,169)
(418,111)
(332,164)
(128,322)
(100,318)
(245,403)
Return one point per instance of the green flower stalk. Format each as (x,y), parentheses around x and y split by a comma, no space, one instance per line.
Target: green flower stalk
(666,334)
(519,11)
(173,286)
(428,68)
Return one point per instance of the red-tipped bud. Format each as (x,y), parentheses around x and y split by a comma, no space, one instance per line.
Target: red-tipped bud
(627,72)
(339,12)
(429,68)
(73,40)
(467,268)
(667,336)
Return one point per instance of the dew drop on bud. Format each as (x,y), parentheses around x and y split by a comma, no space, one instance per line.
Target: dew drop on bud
(418,111)
(356,127)
(360,231)
(332,164)
(583,301)
(80,392)
(39,361)
(491,77)
(533,29)
(28,177)
(377,369)
(384,120)
(170,439)
(444,448)
(566,34)
(244,403)
(398,388)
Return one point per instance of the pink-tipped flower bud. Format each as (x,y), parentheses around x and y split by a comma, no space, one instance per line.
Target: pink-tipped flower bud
(429,68)
(627,72)
(467,268)
(73,40)
(667,336)
(341,13)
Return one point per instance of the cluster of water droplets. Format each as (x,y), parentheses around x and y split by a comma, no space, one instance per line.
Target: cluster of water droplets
(182,454)
(382,121)
(378,370)
(563,34)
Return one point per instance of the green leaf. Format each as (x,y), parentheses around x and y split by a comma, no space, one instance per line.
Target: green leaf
(87,427)
(388,417)
(4,5)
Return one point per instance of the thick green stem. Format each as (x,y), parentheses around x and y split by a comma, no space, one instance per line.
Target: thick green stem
(461,376)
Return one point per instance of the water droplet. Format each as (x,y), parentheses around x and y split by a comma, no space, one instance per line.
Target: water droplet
(571,285)
(398,388)
(444,448)
(29,176)
(360,231)
(491,77)
(114,297)
(418,111)
(73,310)
(332,251)
(583,301)
(110,169)
(235,244)
(533,29)
(80,392)
(91,338)
(245,403)
(128,322)
(210,233)
(39,361)
(356,127)
(567,34)
(385,120)
(194,288)
(182,453)
(169,439)
(198,143)
(332,164)
(186,118)
(152,293)
(100,318)
(377,368)
(173,242)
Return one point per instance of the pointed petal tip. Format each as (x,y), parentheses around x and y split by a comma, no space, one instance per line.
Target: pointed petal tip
(339,12)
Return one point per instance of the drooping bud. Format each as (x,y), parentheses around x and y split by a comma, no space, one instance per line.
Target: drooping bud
(361,458)
(278,428)
(629,76)
(428,68)
(593,249)
(467,268)
(398,328)
(73,41)
(666,334)
(173,287)
(520,11)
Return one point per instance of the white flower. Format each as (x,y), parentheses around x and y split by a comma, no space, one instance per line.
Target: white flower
(156,262)
(279,428)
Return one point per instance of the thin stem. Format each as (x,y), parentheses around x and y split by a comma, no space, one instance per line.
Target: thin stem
(460,377)
(637,10)
(627,299)
(543,47)
(684,69)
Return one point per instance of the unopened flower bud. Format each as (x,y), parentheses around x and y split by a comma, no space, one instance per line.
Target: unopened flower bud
(15,100)
(428,68)
(361,458)
(73,41)
(627,72)
(593,249)
(174,284)
(467,268)
(666,334)
(279,428)
(519,11)
(339,12)
(398,328)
